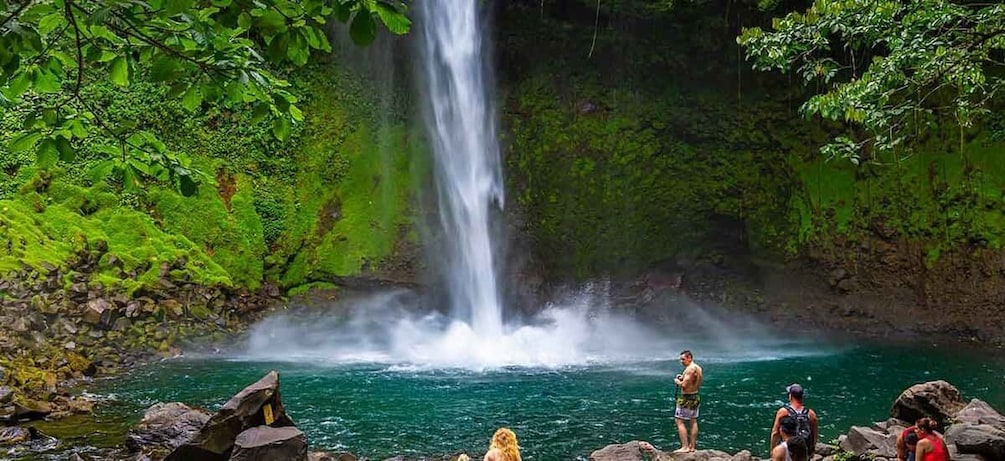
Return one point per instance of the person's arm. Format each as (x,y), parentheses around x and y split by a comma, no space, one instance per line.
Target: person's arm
(687,378)
(922,448)
(776,433)
(778,453)
(901,447)
(815,428)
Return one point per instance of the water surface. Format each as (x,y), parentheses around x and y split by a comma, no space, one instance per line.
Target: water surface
(382,410)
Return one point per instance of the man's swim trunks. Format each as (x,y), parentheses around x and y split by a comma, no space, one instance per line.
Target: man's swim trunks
(687,406)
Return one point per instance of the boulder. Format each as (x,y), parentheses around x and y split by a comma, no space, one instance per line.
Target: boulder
(97,312)
(13,435)
(6,394)
(938,400)
(977,439)
(265,443)
(165,427)
(868,442)
(979,412)
(243,411)
(31,409)
(618,452)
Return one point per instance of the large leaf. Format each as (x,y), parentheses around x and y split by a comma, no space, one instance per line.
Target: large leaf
(173,7)
(24,142)
(118,72)
(281,128)
(101,170)
(192,98)
(66,151)
(363,28)
(187,186)
(165,69)
(47,154)
(396,22)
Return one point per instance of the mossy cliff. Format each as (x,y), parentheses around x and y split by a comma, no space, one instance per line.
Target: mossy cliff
(653,146)
(105,272)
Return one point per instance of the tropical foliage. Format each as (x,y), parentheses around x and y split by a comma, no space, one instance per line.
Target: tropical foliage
(891,69)
(209,52)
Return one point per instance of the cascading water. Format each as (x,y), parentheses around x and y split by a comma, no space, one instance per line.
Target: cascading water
(579,329)
(462,130)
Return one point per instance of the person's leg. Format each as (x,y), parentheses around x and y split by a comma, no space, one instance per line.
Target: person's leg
(694,433)
(682,432)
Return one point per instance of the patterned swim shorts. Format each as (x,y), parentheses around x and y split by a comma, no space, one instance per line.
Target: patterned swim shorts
(687,406)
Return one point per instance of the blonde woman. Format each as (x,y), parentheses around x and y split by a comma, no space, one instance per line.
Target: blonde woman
(503,446)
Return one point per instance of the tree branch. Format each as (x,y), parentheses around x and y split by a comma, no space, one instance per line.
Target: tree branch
(76,40)
(15,13)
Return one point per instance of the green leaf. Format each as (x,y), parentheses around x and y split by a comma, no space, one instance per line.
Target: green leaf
(165,69)
(78,129)
(192,98)
(363,29)
(244,21)
(130,179)
(271,22)
(278,47)
(261,110)
(46,81)
(17,85)
(396,22)
(235,92)
(24,142)
(173,7)
(298,52)
(140,166)
(342,11)
(188,187)
(66,151)
(101,170)
(296,113)
(47,153)
(50,116)
(281,128)
(119,71)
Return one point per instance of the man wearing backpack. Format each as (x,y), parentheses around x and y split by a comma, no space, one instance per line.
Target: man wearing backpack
(806,419)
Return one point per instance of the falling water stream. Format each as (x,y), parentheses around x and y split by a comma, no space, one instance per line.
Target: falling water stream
(462,130)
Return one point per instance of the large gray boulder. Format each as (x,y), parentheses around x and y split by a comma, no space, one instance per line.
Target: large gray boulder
(938,400)
(165,427)
(979,412)
(243,411)
(977,439)
(264,443)
(866,442)
(618,452)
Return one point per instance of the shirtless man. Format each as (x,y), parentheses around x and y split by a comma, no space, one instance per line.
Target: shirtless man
(688,401)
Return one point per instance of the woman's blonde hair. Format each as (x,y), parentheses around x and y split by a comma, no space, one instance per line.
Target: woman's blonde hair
(505,441)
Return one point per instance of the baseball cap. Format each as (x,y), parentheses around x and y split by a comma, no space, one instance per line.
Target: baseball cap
(794,390)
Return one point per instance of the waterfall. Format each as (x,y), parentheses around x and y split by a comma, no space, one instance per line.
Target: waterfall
(461,124)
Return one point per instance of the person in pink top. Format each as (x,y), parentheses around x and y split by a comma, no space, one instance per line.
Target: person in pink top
(930,446)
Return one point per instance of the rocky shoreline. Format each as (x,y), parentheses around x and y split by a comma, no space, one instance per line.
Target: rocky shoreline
(63,325)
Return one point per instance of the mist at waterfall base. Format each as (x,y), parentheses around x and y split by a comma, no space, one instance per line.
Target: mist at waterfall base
(582,330)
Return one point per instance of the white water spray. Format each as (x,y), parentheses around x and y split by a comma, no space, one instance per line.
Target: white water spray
(462,129)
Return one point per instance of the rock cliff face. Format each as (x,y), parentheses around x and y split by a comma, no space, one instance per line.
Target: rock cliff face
(63,325)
